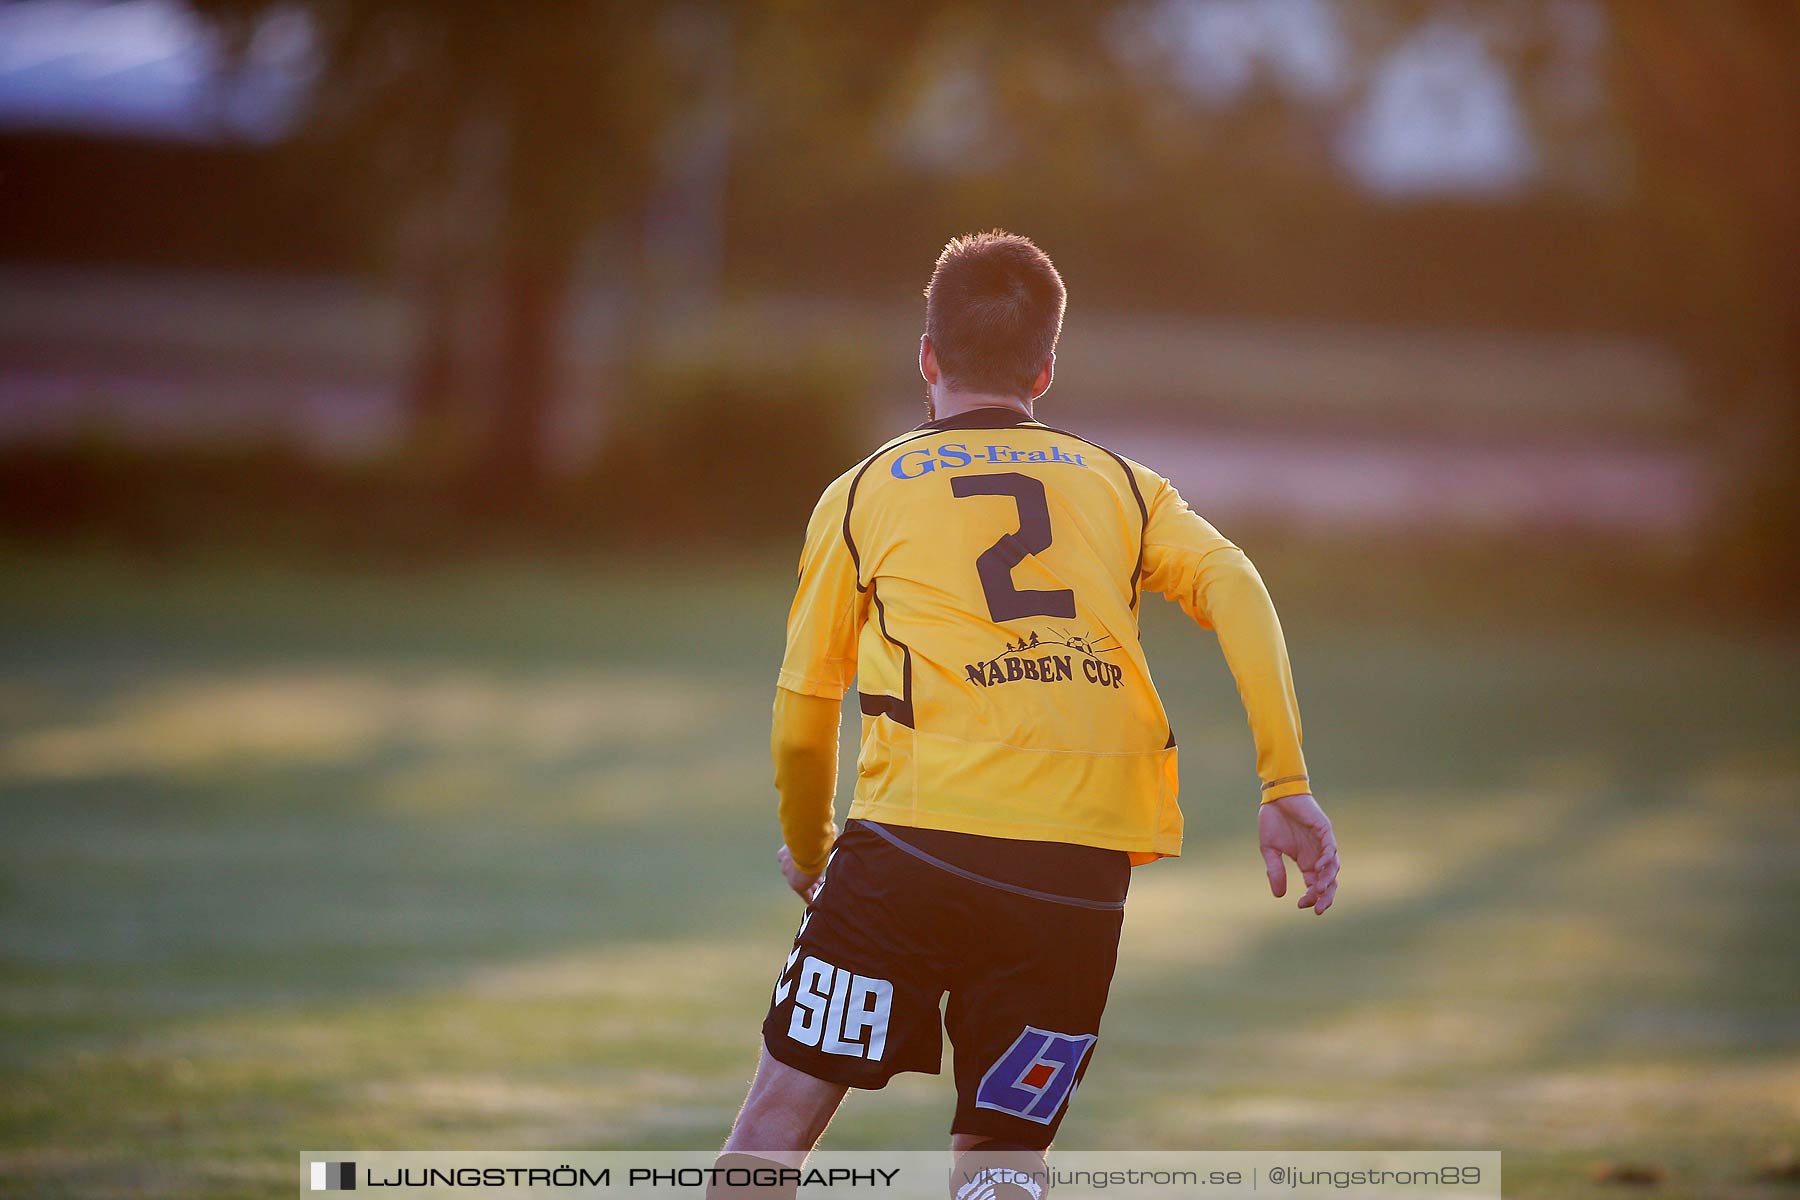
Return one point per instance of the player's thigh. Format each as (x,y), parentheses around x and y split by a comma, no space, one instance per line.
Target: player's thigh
(785,1113)
(1024,1016)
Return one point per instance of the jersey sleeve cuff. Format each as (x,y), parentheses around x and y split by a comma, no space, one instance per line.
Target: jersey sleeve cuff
(813,868)
(795,682)
(1288,785)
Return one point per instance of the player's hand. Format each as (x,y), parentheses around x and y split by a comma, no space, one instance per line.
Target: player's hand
(804,883)
(1297,827)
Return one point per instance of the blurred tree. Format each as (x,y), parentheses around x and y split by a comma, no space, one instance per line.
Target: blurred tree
(550,111)
(547,120)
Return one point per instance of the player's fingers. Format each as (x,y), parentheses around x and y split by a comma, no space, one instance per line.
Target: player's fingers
(1325,899)
(1322,885)
(1277,871)
(1325,868)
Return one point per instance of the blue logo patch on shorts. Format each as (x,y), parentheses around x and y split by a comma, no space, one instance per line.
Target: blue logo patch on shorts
(1035,1076)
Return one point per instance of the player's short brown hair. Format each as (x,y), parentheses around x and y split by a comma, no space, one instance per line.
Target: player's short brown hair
(993,311)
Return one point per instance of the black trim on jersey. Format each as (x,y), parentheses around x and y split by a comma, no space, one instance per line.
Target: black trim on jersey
(993,417)
(850,502)
(1137,573)
(899,708)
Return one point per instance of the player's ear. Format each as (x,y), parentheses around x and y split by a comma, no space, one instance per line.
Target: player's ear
(928,363)
(1041,384)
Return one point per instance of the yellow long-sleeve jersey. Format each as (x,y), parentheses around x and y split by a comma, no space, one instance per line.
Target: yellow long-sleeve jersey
(979,578)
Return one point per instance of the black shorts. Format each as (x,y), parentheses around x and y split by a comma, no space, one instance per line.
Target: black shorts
(1025,950)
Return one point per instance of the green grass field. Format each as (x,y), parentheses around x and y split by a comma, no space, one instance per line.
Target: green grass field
(483,858)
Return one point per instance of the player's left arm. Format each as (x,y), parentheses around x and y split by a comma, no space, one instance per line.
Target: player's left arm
(818,667)
(804,744)
(1190,562)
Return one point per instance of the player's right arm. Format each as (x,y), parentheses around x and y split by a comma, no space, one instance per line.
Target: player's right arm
(1193,564)
(818,667)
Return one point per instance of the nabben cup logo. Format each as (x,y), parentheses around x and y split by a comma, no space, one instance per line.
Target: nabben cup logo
(334,1177)
(1039,659)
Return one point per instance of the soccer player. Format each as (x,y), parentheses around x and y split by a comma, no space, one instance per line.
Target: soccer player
(978,578)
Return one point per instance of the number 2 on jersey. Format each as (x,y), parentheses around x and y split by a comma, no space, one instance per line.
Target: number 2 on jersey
(995,565)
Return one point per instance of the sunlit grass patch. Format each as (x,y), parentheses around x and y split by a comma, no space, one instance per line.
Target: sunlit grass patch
(454,862)
(326,715)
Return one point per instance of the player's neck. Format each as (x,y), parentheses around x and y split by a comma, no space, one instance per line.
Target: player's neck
(945,404)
